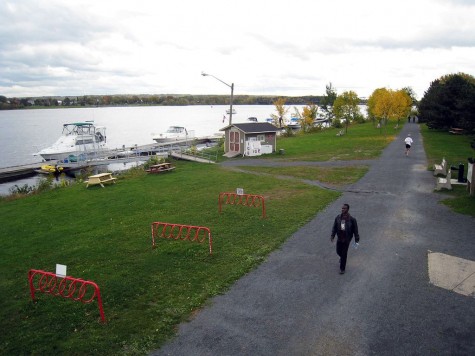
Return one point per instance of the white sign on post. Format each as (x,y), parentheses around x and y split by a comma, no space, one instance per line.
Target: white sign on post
(60,270)
(239,191)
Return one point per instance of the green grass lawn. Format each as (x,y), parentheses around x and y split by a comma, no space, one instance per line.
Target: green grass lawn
(456,149)
(439,144)
(103,235)
(332,176)
(360,142)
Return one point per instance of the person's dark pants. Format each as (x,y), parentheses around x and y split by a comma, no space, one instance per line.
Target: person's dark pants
(342,251)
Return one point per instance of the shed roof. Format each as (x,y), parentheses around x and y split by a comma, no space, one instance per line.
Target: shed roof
(253,127)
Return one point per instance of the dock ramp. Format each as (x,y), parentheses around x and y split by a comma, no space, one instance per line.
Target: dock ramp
(178,155)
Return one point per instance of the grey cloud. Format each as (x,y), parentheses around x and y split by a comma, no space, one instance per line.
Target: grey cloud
(286,48)
(41,44)
(460,2)
(447,40)
(440,38)
(31,23)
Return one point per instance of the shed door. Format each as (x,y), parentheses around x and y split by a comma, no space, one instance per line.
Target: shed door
(234,141)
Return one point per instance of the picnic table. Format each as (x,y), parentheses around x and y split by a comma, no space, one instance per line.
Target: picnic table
(160,168)
(100,179)
(456,131)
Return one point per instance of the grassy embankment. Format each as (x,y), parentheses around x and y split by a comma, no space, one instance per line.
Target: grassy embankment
(103,235)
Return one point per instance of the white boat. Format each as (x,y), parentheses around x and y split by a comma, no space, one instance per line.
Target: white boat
(294,123)
(320,122)
(174,133)
(229,111)
(79,141)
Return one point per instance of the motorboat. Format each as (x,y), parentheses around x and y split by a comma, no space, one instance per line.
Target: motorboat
(174,133)
(320,122)
(294,123)
(252,119)
(229,111)
(79,141)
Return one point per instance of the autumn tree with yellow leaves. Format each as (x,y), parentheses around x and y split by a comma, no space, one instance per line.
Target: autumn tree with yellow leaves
(281,112)
(389,105)
(309,114)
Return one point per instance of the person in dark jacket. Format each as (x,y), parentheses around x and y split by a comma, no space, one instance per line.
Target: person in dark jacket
(345,226)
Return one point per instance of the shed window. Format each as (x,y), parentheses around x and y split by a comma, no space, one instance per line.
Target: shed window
(261,138)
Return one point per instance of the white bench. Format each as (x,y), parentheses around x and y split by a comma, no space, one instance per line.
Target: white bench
(441,169)
(444,182)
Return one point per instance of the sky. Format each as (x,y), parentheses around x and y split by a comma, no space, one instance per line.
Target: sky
(275,47)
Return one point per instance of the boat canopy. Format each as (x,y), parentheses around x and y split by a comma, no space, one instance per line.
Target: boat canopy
(176,129)
(79,128)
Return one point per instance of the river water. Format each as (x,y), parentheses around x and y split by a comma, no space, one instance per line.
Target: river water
(24,132)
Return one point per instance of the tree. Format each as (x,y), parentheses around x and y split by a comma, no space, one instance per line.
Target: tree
(309,114)
(327,102)
(281,111)
(401,106)
(345,107)
(386,105)
(449,102)
(409,91)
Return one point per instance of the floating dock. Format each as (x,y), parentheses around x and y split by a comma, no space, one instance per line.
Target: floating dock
(123,155)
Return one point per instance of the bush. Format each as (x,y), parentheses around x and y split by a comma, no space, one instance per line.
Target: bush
(359,119)
(288,132)
(44,184)
(153,161)
(337,123)
(21,190)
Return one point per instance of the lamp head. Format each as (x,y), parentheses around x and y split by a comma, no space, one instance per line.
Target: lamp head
(204,74)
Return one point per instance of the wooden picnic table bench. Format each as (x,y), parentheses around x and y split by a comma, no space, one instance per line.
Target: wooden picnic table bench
(456,131)
(100,179)
(161,167)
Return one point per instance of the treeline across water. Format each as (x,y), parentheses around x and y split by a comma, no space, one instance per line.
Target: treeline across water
(150,99)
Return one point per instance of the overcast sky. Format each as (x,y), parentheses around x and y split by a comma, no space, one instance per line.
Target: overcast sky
(275,47)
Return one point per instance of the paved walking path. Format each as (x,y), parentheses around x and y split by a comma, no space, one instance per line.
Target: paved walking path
(296,303)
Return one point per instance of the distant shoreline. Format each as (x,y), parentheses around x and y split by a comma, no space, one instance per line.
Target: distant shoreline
(90,101)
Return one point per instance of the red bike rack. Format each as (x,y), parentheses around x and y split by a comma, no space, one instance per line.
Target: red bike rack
(68,287)
(243,199)
(181,232)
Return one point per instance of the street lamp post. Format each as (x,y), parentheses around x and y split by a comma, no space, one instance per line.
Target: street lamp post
(232,94)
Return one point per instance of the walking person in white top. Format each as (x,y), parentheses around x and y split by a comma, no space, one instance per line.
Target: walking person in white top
(408,141)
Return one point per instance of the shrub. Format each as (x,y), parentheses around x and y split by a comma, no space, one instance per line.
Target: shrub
(359,119)
(337,123)
(288,132)
(21,190)
(152,161)
(44,184)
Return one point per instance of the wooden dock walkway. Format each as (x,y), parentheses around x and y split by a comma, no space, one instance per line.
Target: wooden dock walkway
(124,155)
(16,172)
(29,170)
